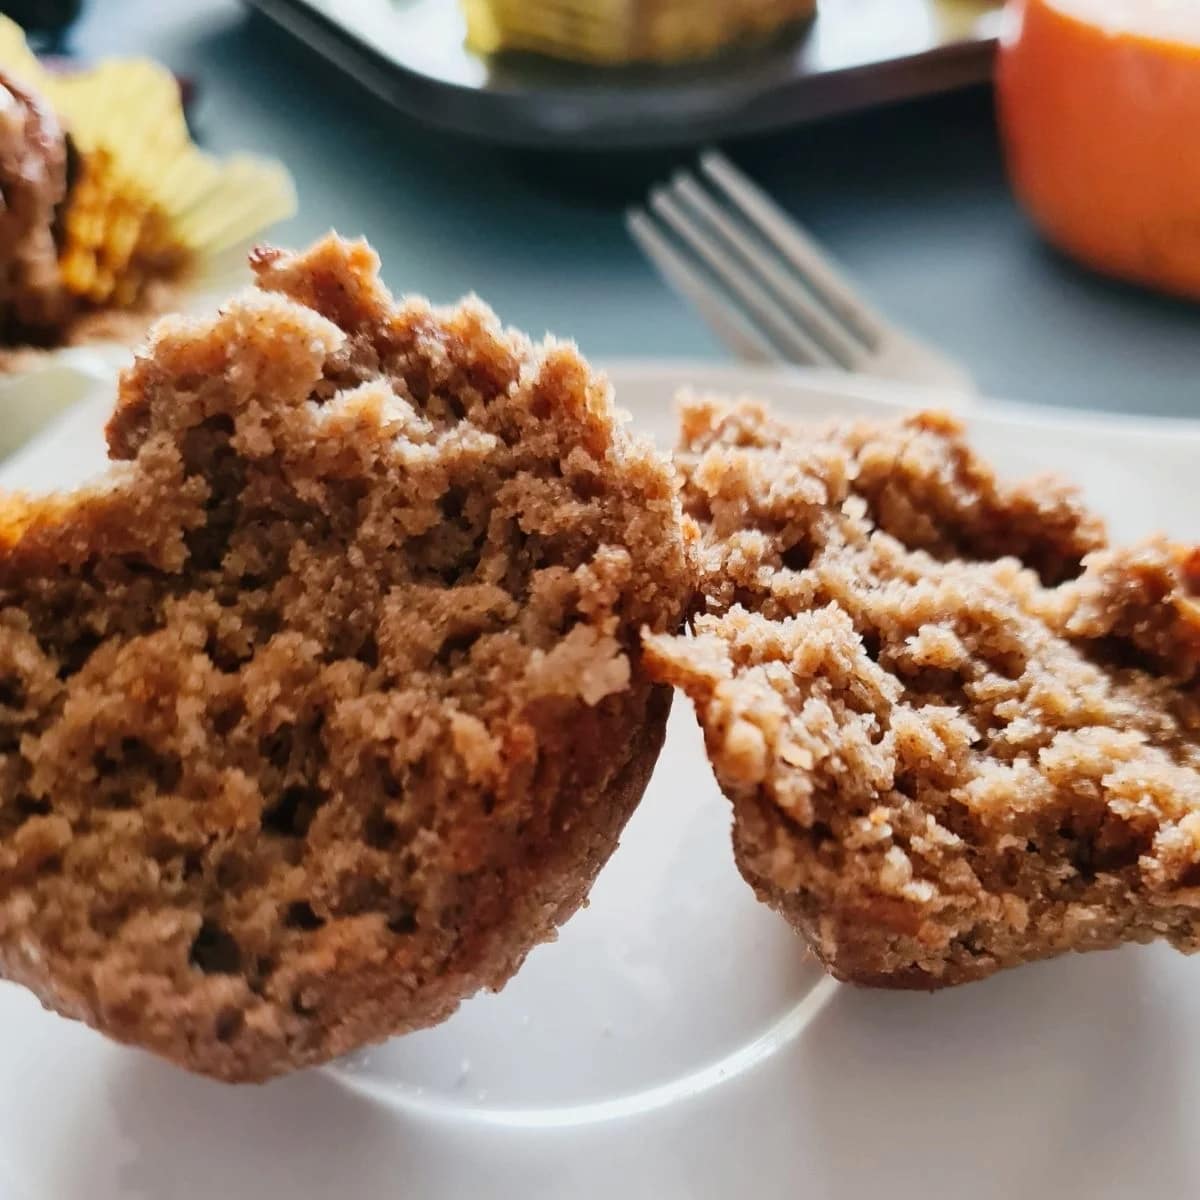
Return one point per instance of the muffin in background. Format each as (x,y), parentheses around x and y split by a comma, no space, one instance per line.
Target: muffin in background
(113,213)
(615,32)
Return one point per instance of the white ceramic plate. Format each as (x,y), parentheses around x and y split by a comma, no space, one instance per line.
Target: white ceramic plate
(675,1042)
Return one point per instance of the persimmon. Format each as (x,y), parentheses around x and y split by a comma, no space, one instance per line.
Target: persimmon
(1099,104)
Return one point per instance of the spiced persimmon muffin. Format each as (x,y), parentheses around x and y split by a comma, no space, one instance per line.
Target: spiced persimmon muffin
(614,32)
(959,730)
(327,704)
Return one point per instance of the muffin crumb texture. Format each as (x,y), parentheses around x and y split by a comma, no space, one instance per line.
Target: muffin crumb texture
(327,704)
(959,730)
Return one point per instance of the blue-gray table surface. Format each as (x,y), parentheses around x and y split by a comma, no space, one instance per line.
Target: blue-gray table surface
(912,200)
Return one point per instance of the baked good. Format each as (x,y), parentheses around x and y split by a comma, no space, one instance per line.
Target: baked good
(959,730)
(327,704)
(111,214)
(613,32)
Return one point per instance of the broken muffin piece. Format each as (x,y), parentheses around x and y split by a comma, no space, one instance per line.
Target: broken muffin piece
(959,732)
(327,704)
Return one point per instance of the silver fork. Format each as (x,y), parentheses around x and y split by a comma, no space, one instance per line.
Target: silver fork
(765,287)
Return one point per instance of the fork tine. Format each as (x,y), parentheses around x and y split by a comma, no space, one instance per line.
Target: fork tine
(764,310)
(722,317)
(800,250)
(834,336)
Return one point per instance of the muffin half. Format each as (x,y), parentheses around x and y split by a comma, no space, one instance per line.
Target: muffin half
(327,704)
(959,730)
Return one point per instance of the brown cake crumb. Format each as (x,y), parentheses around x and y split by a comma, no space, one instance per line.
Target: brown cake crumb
(958,730)
(327,704)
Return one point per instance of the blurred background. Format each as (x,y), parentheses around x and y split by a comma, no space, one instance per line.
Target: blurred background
(510,177)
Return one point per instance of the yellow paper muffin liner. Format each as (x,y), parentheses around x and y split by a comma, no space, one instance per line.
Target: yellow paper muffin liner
(151,224)
(613,32)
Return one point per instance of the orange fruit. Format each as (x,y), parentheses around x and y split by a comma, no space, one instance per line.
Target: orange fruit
(1099,105)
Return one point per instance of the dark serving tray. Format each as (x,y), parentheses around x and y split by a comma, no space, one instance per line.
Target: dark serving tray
(855,54)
